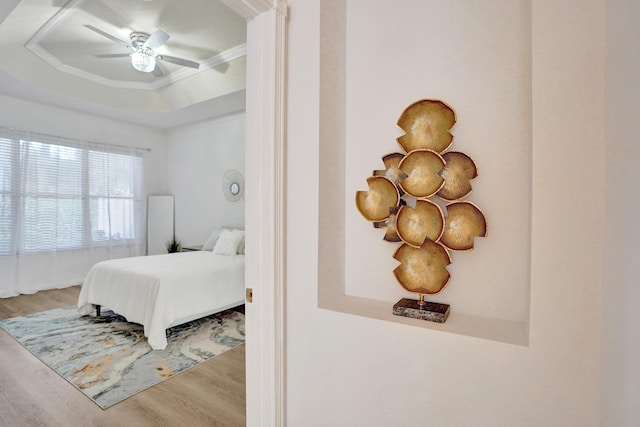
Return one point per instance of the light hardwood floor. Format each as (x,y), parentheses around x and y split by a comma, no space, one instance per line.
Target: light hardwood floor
(31,394)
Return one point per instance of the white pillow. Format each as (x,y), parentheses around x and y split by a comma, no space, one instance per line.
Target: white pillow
(211,241)
(228,242)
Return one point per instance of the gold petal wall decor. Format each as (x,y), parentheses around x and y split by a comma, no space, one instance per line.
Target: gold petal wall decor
(415,225)
(392,170)
(375,203)
(422,169)
(391,235)
(423,270)
(458,172)
(464,221)
(426,123)
(399,200)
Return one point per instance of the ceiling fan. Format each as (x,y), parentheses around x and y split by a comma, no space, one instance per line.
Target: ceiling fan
(143,55)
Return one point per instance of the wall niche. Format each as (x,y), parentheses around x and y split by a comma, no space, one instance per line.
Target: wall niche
(471,65)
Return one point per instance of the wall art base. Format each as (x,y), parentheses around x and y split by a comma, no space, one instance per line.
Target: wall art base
(431,311)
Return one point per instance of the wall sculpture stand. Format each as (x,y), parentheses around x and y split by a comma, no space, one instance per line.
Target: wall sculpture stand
(407,199)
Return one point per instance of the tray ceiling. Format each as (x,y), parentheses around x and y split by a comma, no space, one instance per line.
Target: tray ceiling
(52,53)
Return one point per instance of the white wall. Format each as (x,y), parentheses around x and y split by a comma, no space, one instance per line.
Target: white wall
(21,114)
(198,156)
(621,317)
(342,369)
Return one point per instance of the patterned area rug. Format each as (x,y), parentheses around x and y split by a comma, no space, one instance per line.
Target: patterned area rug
(108,358)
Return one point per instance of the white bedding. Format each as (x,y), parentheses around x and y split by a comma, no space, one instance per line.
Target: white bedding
(160,291)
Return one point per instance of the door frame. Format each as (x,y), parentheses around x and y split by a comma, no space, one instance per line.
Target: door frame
(265,208)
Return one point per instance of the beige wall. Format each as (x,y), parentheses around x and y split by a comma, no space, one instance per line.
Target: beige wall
(621,293)
(344,369)
(465,60)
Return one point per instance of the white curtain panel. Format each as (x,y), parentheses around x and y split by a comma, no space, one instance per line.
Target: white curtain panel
(64,205)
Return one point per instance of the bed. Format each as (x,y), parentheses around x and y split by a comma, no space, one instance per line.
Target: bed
(161,291)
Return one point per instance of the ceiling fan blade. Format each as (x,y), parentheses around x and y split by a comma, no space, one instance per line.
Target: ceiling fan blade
(156,40)
(112,55)
(179,61)
(107,35)
(157,72)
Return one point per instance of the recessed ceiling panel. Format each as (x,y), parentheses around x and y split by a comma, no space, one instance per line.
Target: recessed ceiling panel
(52,50)
(199,30)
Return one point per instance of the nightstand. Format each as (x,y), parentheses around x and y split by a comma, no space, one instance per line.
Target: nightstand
(192,248)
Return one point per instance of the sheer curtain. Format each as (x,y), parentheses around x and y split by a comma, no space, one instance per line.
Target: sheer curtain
(64,205)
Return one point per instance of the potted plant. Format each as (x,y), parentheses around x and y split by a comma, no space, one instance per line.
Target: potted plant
(173,245)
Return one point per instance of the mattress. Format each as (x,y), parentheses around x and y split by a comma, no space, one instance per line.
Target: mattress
(160,291)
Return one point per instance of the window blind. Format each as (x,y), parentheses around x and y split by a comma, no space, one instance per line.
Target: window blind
(68,195)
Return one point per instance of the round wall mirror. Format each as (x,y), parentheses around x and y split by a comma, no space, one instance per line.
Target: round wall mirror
(233,185)
(234,188)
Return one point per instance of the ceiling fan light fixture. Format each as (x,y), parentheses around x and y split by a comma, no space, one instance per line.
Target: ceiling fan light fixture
(143,61)
(143,55)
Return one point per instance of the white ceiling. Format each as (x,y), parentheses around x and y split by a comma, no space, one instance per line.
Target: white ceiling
(49,58)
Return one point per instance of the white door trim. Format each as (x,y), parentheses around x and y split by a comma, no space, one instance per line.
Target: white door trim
(265,208)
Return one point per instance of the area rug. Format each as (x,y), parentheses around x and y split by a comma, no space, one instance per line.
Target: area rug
(109,359)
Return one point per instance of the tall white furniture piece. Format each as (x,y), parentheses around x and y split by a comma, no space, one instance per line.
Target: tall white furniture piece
(160,223)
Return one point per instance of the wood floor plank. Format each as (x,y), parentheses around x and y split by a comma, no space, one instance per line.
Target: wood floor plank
(31,394)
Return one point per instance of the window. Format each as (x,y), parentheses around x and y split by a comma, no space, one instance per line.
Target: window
(55,196)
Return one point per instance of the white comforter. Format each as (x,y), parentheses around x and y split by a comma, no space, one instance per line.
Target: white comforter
(160,291)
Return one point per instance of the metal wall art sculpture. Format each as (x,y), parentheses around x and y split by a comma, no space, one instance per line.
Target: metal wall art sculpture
(407,198)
